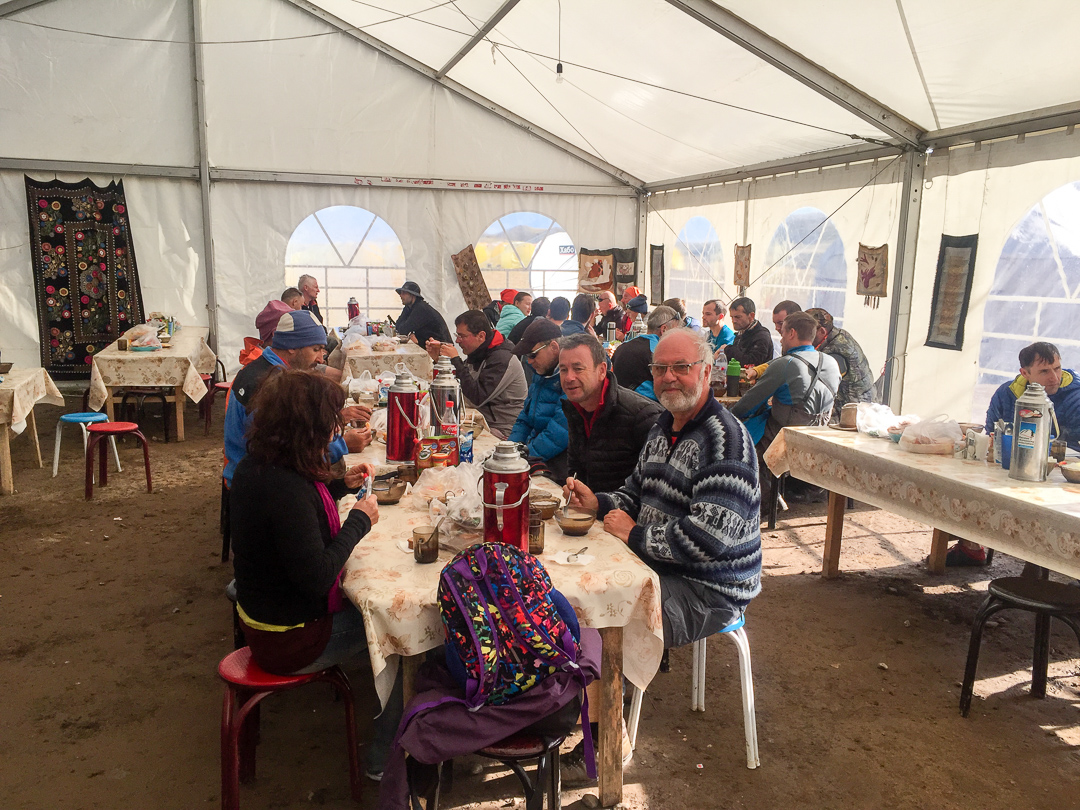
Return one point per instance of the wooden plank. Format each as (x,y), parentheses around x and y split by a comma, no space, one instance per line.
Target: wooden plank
(834,531)
(110,404)
(939,546)
(7,480)
(609,766)
(179,399)
(31,427)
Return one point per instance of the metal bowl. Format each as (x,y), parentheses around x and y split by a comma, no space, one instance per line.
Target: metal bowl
(577,521)
(5,367)
(389,492)
(1071,471)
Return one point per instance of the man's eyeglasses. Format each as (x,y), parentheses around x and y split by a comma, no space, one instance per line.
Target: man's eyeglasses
(532,355)
(680,369)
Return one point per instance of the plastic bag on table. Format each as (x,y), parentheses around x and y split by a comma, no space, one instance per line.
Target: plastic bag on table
(144,334)
(434,482)
(364,384)
(874,420)
(937,435)
(377,423)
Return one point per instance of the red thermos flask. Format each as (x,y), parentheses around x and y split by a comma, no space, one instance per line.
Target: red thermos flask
(506,497)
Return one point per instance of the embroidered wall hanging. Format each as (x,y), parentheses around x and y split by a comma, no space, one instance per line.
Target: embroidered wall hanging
(625,265)
(873,278)
(952,291)
(656,272)
(85,280)
(470,280)
(596,270)
(742,265)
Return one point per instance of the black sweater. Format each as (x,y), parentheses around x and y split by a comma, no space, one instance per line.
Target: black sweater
(752,346)
(423,320)
(285,560)
(604,458)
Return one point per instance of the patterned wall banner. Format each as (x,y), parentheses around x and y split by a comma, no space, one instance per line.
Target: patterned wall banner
(742,265)
(625,265)
(872,281)
(952,291)
(596,270)
(656,272)
(470,280)
(85,278)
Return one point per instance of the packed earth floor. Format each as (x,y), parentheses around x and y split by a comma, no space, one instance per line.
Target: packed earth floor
(114,620)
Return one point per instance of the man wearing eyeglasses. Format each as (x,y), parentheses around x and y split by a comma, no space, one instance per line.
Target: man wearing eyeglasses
(541,425)
(690,509)
(801,384)
(630,362)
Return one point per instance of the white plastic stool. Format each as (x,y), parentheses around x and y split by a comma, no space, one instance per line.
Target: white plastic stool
(737,634)
(82,420)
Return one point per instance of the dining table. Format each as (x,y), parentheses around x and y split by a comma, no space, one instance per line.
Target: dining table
(609,587)
(20,390)
(174,369)
(1038,522)
(416,360)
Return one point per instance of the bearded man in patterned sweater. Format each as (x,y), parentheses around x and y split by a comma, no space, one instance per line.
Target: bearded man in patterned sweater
(690,509)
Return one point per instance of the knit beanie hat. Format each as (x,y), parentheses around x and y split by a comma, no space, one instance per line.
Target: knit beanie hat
(297,330)
(639,304)
(267,320)
(507,296)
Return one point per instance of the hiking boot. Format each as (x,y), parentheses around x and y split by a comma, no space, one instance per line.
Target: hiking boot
(572,765)
(960,556)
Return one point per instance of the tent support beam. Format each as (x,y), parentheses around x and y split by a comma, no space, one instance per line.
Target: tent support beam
(814,160)
(643,270)
(463,91)
(204,169)
(91,167)
(475,39)
(800,68)
(13,6)
(903,279)
(1063,115)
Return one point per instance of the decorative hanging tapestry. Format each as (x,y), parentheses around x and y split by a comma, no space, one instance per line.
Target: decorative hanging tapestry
(952,291)
(596,270)
(85,280)
(656,272)
(873,279)
(742,265)
(469,278)
(625,265)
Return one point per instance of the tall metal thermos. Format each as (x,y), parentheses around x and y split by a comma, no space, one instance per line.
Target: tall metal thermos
(444,398)
(402,417)
(1032,417)
(506,497)
(353,308)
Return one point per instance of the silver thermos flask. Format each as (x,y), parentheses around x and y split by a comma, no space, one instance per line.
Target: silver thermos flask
(1032,417)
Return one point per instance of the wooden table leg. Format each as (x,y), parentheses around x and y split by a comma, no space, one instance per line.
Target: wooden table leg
(31,427)
(834,531)
(410,664)
(939,546)
(7,480)
(609,766)
(180,399)
(110,407)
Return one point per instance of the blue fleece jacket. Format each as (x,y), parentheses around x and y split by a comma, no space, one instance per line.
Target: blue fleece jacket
(1066,405)
(542,424)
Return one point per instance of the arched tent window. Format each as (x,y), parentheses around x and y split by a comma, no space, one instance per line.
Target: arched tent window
(813,274)
(697,266)
(1035,294)
(528,251)
(351,252)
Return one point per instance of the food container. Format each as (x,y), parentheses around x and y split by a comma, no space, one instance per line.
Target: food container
(389,492)
(575,521)
(544,502)
(1071,471)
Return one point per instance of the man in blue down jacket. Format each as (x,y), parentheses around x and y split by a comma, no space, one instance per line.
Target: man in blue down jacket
(542,424)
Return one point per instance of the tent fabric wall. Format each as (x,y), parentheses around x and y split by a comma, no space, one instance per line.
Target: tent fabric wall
(253,222)
(751,211)
(166,228)
(76,97)
(984,191)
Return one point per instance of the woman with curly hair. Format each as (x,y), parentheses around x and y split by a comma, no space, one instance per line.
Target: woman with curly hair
(290,545)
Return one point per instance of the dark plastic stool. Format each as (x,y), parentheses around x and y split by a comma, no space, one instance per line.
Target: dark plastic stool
(103,430)
(141,395)
(246,684)
(1047,600)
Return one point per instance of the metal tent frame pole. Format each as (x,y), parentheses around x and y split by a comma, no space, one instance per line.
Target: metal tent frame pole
(204,170)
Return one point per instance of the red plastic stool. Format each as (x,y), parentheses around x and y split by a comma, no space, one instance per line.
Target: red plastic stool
(246,684)
(103,430)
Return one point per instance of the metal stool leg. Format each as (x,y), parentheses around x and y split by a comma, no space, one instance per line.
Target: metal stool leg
(991,606)
(1040,660)
(746,676)
(116,453)
(56,448)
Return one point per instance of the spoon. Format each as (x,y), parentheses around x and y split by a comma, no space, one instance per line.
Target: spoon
(566,506)
(575,555)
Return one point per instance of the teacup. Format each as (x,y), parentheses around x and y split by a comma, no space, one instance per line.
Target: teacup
(847,415)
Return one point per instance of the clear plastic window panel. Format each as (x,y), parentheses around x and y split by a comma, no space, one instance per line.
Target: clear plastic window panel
(810,267)
(528,251)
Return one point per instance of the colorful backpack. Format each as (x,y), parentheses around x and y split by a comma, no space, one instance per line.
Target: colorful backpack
(505,630)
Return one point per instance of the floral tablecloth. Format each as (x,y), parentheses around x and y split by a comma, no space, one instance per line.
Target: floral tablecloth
(1037,522)
(178,365)
(21,388)
(397,596)
(414,358)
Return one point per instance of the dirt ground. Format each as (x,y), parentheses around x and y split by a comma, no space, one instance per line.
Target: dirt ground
(114,619)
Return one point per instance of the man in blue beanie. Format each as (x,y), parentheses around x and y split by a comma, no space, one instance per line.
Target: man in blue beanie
(298,343)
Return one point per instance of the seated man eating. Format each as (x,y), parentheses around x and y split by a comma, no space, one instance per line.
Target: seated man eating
(690,507)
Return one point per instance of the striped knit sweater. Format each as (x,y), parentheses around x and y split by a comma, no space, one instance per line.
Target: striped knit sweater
(697,503)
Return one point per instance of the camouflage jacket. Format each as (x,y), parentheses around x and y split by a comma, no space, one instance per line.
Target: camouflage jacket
(857,381)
